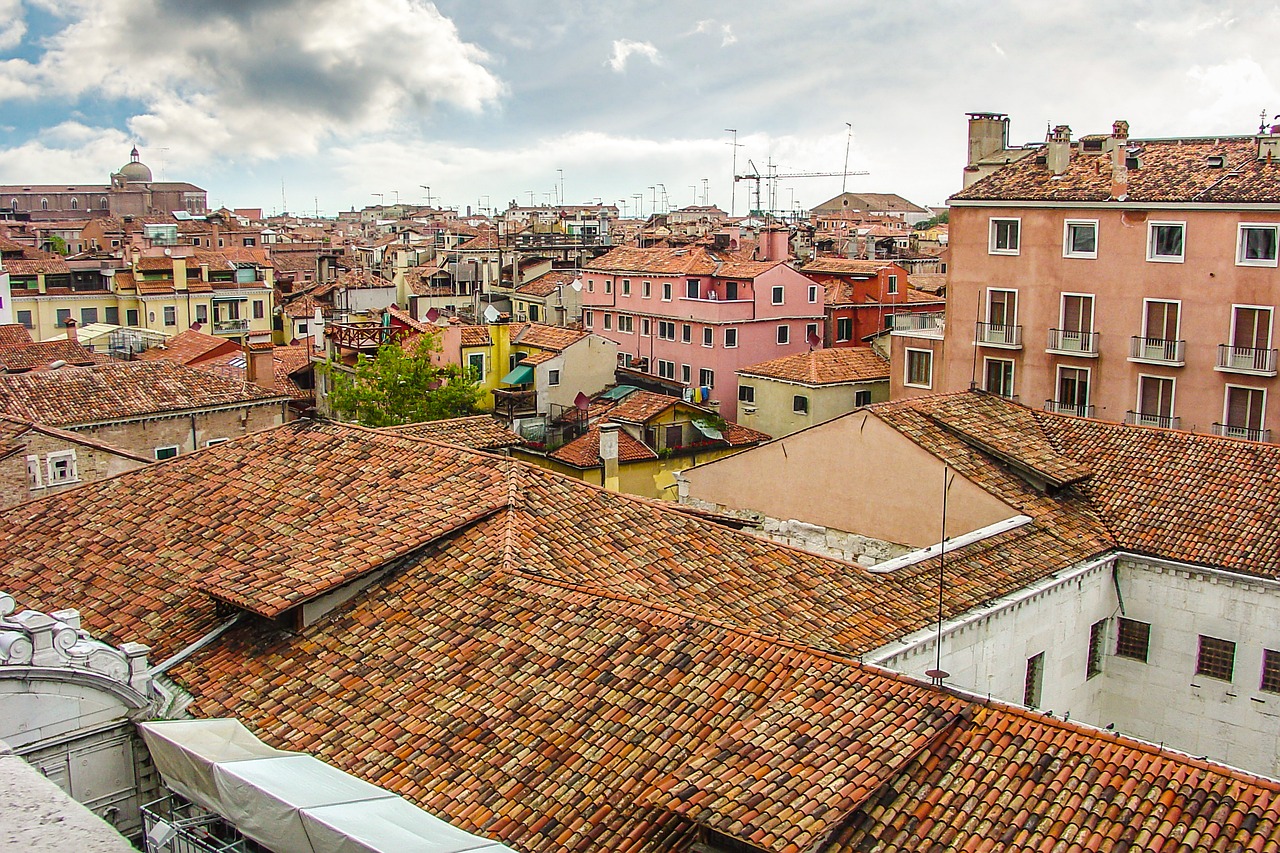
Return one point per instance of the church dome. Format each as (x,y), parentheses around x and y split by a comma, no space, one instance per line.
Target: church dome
(135,172)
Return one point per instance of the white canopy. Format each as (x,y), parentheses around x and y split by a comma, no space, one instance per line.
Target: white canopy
(292,802)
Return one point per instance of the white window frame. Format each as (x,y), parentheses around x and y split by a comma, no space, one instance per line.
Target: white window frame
(177,451)
(840,320)
(708,337)
(861,394)
(906,375)
(481,373)
(1173,397)
(686,333)
(626,324)
(813,293)
(213,442)
(626,287)
(1013,373)
(588,318)
(1241,261)
(608,322)
(35,473)
(1151,242)
(666,291)
(1271,322)
(686,374)
(1016,303)
(1226,407)
(1146,316)
(1062,311)
(778,295)
(730,338)
(784,335)
(1067,251)
(995,222)
(746,393)
(646,327)
(553,376)
(893,284)
(708,374)
(1088,383)
(646,289)
(666,369)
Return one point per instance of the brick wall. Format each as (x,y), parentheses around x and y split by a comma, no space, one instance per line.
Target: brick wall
(187,432)
(92,464)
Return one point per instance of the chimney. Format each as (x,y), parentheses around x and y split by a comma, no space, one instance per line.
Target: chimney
(259,364)
(71,331)
(1118,145)
(317,330)
(1269,142)
(988,134)
(1058,150)
(774,244)
(609,454)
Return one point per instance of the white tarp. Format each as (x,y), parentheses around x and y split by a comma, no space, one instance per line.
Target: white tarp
(291,802)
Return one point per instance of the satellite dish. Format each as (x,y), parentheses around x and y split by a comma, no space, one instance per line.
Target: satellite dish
(814,340)
(582,402)
(432,315)
(491,314)
(577,285)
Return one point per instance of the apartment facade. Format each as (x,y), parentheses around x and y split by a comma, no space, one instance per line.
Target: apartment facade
(692,317)
(1124,279)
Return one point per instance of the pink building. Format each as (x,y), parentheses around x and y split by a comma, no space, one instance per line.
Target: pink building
(1124,279)
(692,317)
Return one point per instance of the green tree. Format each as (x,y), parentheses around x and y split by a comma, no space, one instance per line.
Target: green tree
(399,386)
(59,245)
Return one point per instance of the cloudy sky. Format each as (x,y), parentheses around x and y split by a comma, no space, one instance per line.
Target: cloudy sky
(344,103)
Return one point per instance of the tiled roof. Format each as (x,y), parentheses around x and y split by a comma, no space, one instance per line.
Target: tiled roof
(34,356)
(1175,170)
(545,337)
(547,283)
(932,282)
(920,296)
(563,668)
(476,336)
(14,334)
(824,367)
(118,391)
(303,307)
(584,451)
(485,239)
(846,266)
(479,432)
(639,406)
(693,260)
(285,361)
(188,347)
(538,357)
(35,266)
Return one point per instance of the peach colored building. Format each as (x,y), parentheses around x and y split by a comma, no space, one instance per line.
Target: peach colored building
(692,317)
(1125,279)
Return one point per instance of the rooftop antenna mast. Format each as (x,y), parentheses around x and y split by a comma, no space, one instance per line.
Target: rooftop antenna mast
(733,193)
(284,205)
(848,140)
(937,675)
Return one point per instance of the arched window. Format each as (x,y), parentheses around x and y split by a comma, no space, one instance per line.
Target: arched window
(44,204)
(75,203)
(102,203)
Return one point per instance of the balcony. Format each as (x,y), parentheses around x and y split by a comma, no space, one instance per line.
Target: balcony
(1144,419)
(362,336)
(1157,351)
(1229,431)
(705,310)
(515,403)
(999,335)
(1073,342)
(925,324)
(231,327)
(1073,409)
(1254,362)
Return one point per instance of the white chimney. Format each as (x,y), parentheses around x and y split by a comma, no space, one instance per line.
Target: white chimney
(1057,152)
(317,331)
(609,454)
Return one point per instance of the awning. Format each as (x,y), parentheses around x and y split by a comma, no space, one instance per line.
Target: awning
(708,430)
(290,801)
(521,375)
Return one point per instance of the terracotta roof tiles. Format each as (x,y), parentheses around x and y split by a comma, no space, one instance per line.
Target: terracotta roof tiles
(540,335)
(14,334)
(824,367)
(478,432)
(39,355)
(188,347)
(547,283)
(584,451)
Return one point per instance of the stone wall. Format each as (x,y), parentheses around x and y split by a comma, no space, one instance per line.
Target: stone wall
(188,432)
(92,464)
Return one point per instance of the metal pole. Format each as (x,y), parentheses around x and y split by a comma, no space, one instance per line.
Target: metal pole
(844,179)
(733,179)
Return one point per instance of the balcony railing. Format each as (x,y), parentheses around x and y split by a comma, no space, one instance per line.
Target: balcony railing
(1074,409)
(1000,335)
(514,404)
(1255,362)
(924,324)
(1157,351)
(1144,419)
(230,327)
(362,335)
(1073,342)
(1229,431)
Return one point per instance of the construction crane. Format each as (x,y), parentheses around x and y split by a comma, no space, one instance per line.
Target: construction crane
(771,176)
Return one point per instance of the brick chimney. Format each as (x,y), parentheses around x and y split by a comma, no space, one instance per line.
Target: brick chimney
(259,364)
(71,330)
(775,243)
(609,454)
(1057,152)
(1118,145)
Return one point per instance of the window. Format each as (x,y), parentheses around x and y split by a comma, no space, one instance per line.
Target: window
(626,287)
(691,288)
(1005,235)
(811,334)
(844,328)
(861,398)
(131,316)
(1033,683)
(666,291)
(88,315)
(1133,639)
(999,377)
(475,364)
(746,393)
(1257,246)
(1250,328)
(259,309)
(35,475)
(170,315)
(608,322)
(75,204)
(686,333)
(893,285)
(778,294)
(1002,308)
(666,330)
(1073,390)
(784,335)
(666,369)
(63,315)
(167,452)
(553,377)
(919,368)
(1160,320)
(214,442)
(646,327)
(111,315)
(1217,658)
(24,319)
(591,285)
(302,328)
(1243,412)
(61,467)
(626,323)
(730,290)
(1165,241)
(708,337)
(202,313)
(533,312)
(686,374)
(44,204)
(800,404)
(1080,239)
(1077,316)
(730,338)
(608,285)
(1097,635)
(588,319)
(707,378)
(1270,671)
(813,293)
(1155,401)
(646,289)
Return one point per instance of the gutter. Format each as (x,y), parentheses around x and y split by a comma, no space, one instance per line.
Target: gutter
(950,544)
(199,644)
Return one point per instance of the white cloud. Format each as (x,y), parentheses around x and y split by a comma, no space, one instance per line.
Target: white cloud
(70,151)
(12,24)
(624,49)
(1230,96)
(265,78)
(726,36)
(709,26)
(998,49)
